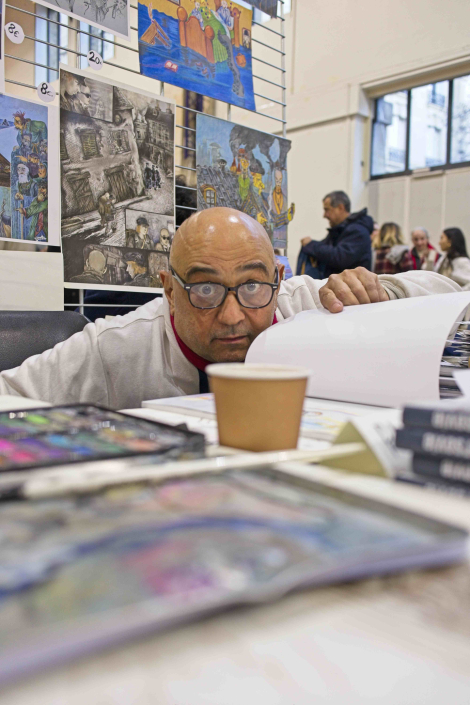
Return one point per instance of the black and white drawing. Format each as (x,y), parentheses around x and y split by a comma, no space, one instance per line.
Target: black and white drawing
(109,15)
(117,179)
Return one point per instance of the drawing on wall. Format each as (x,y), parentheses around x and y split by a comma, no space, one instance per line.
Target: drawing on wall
(201,46)
(23,170)
(109,15)
(244,169)
(267,6)
(117,180)
(158,261)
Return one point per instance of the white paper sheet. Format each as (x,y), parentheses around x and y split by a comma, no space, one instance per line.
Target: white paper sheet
(386,354)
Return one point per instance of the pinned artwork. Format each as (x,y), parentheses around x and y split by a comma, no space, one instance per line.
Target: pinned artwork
(108,15)
(24,182)
(201,46)
(2,47)
(244,169)
(117,158)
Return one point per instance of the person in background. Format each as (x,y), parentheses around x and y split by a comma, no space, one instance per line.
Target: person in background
(392,256)
(423,254)
(347,244)
(374,233)
(282,259)
(454,263)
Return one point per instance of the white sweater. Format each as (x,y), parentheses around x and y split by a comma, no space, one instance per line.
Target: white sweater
(120,363)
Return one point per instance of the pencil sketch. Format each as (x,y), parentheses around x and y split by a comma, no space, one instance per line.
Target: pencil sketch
(158,261)
(117,172)
(109,15)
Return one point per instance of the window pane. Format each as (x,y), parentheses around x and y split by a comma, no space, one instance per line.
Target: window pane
(460,147)
(389,134)
(428,128)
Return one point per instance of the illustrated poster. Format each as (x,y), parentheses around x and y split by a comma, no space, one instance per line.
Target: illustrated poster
(267,6)
(25,179)
(117,178)
(2,47)
(108,15)
(244,169)
(201,46)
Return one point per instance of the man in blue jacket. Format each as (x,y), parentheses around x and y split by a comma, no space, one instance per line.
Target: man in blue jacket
(347,244)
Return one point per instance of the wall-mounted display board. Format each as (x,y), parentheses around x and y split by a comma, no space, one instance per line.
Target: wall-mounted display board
(244,169)
(117,183)
(108,15)
(201,46)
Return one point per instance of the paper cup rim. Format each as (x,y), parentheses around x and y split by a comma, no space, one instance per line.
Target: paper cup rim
(257,371)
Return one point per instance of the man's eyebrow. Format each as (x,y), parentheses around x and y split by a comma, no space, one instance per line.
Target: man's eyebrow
(200,269)
(250,266)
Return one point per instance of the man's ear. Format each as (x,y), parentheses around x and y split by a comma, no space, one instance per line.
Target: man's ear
(167,281)
(281,269)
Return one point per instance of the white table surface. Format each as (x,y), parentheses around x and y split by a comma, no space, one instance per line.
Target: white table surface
(394,641)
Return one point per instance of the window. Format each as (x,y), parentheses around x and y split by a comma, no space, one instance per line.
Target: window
(94,39)
(89,144)
(411,128)
(51,29)
(210,197)
(259,16)
(120,141)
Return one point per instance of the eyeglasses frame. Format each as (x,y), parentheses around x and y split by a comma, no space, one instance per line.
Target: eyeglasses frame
(187,287)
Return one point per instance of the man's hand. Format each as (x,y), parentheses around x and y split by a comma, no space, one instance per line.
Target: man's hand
(305,241)
(350,288)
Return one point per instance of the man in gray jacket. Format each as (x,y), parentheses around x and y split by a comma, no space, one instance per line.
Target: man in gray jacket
(224,289)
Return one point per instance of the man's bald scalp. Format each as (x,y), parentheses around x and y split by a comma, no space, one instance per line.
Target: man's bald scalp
(213,224)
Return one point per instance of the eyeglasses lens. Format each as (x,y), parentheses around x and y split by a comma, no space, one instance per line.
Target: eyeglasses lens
(207,295)
(255,295)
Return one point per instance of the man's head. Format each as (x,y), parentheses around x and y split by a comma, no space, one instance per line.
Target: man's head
(224,246)
(70,83)
(278,180)
(136,264)
(42,194)
(23,173)
(336,207)
(142,226)
(165,240)
(420,239)
(96,262)
(26,140)
(84,96)
(42,171)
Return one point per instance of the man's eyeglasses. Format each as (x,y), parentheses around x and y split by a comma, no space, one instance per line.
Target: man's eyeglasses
(251,294)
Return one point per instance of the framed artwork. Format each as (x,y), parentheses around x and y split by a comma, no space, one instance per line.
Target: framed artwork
(25,172)
(117,182)
(201,46)
(108,15)
(244,169)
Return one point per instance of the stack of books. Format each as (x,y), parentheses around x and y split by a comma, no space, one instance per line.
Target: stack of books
(439,437)
(455,357)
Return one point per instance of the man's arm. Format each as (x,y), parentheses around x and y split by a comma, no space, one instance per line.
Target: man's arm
(70,372)
(342,256)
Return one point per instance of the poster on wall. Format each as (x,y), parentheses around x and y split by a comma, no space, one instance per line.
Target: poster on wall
(2,47)
(244,169)
(201,46)
(108,15)
(27,173)
(269,7)
(117,183)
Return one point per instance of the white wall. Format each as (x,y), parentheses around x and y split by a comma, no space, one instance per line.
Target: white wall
(340,55)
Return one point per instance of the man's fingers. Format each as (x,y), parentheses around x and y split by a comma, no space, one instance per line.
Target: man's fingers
(371,283)
(362,290)
(342,290)
(329,300)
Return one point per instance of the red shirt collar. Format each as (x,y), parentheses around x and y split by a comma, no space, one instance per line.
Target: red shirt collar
(199,362)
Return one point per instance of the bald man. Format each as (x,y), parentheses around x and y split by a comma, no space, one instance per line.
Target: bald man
(223,289)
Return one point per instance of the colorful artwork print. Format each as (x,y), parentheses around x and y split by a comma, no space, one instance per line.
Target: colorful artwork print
(23,170)
(244,169)
(269,7)
(203,46)
(117,178)
(109,15)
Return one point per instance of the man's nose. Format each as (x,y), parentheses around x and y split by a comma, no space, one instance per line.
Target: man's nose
(231,313)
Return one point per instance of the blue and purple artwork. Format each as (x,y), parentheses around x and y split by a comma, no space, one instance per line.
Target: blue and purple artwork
(203,46)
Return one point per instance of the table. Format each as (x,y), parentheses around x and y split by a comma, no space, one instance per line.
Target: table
(403,640)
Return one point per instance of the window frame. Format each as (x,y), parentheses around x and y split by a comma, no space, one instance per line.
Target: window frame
(407,171)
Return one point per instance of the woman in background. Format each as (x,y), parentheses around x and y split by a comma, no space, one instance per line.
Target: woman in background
(454,263)
(391,254)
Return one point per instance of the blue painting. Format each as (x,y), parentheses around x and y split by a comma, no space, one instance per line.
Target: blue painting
(23,170)
(246,169)
(203,46)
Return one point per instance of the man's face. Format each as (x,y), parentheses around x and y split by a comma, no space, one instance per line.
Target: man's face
(26,141)
(142,230)
(419,240)
(42,172)
(131,269)
(42,195)
(222,334)
(71,85)
(334,214)
(278,180)
(17,122)
(85,96)
(23,173)
(165,238)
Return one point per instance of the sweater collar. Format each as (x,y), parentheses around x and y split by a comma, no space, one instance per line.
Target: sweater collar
(199,362)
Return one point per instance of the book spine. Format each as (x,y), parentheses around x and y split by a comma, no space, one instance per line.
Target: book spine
(450,470)
(437,483)
(440,420)
(434,443)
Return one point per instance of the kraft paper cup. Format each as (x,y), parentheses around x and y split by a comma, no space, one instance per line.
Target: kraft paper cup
(259,407)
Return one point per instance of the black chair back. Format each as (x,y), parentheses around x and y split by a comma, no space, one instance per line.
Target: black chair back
(26,333)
